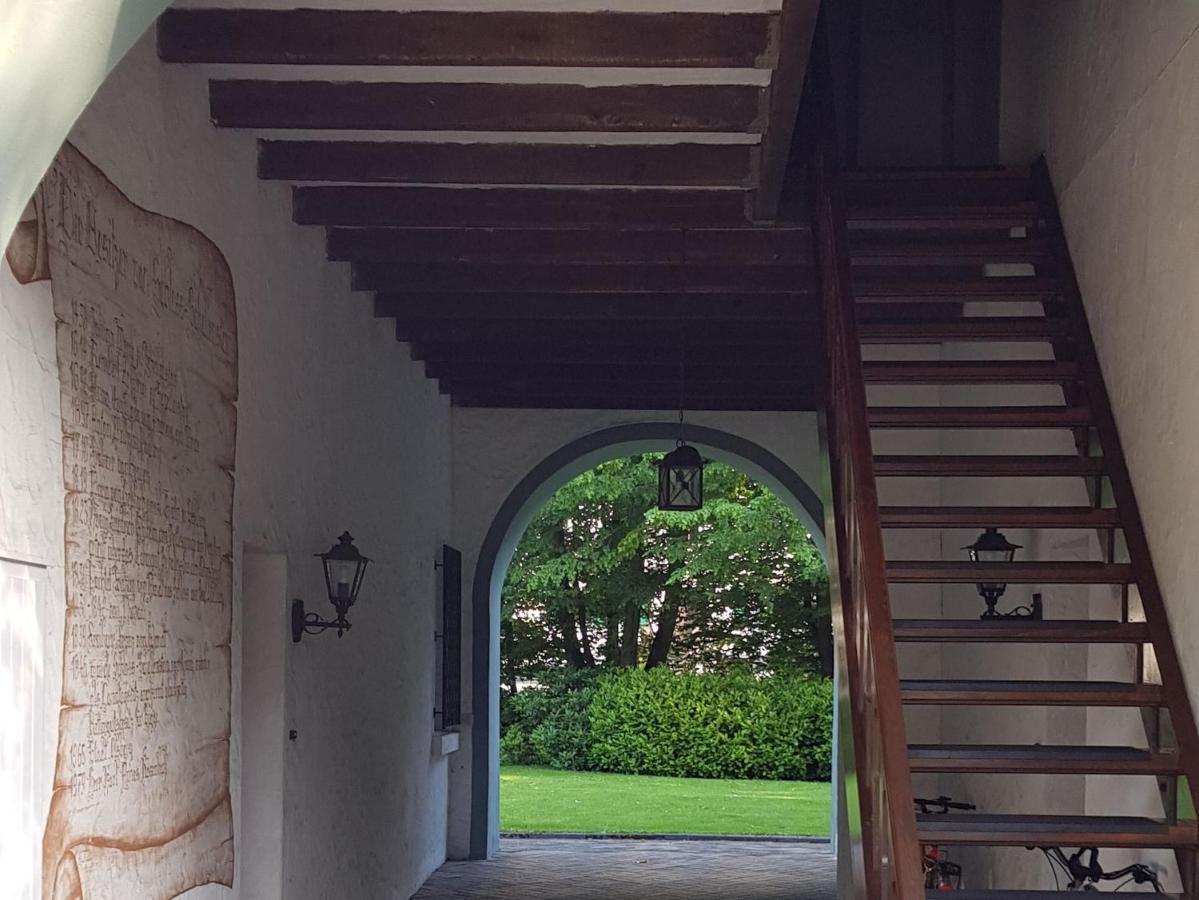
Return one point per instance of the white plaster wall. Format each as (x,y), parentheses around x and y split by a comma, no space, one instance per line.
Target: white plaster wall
(31,549)
(1108,90)
(493,449)
(336,429)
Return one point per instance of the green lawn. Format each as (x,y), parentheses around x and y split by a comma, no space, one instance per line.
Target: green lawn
(547,800)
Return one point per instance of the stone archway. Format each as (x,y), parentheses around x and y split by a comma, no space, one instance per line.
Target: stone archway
(509,525)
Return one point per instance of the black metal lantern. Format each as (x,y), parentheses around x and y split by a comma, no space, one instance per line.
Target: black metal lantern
(344,569)
(992,547)
(681,479)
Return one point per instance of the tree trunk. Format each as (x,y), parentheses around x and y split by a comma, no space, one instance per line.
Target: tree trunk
(570,639)
(664,634)
(629,635)
(612,639)
(585,633)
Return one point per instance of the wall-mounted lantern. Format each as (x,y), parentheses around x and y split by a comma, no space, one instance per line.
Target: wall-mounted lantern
(344,568)
(992,547)
(681,479)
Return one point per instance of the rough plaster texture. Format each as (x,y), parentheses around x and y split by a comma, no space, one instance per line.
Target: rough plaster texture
(363,800)
(494,449)
(1108,91)
(31,550)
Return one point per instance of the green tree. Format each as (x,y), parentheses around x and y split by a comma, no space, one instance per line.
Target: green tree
(602,577)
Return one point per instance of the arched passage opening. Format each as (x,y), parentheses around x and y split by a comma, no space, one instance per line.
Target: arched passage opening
(509,525)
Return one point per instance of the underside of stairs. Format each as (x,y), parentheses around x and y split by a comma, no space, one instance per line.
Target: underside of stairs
(984,406)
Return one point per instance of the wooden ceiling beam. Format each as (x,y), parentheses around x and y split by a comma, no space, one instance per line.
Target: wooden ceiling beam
(441,206)
(515,337)
(447,308)
(797,25)
(583,397)
(438,38)
(725,246)
(666,371)
(452,106)
(578,350)
(427,162)
(382,275)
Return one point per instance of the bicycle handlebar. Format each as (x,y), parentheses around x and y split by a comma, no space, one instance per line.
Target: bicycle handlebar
(942,804)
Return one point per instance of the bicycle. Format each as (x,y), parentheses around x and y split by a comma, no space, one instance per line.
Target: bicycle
(940,873)
(1084,876)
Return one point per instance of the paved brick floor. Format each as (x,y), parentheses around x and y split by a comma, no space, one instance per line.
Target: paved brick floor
(549,869)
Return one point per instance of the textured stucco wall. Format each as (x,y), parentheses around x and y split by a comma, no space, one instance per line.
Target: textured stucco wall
(1109,90)
(494,449)
(336,429)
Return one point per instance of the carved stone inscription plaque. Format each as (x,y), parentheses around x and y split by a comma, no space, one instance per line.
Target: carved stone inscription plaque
(147,359)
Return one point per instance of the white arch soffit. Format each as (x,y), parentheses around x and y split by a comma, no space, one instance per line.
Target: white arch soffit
(54,55)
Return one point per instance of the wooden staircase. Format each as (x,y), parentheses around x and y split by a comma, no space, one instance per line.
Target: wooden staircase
(974,265)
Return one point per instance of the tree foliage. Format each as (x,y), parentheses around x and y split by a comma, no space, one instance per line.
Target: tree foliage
(603,578)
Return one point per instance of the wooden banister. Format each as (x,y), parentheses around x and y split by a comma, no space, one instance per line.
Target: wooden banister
(885,853)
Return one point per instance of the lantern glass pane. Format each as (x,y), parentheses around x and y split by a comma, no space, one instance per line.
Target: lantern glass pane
(341,576)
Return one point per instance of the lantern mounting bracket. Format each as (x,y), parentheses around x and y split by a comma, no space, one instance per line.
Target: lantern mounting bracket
(303,623)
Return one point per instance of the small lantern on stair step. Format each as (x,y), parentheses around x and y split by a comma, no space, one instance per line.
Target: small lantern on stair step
(992,547)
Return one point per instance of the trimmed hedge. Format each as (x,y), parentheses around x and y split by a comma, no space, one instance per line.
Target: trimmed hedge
(717,725)
(549,725)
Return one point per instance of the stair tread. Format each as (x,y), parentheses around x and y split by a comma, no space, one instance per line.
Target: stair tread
(978,416)
(1018,572)
(1002,894)
(1080,755)
(1022,630)
(987,465)
(1025,830)
(1022,212)
(1038,759)
(967,692)
(870,286)
(1019,172)
(975,328)
(987,372)
(998,516)
(865,254)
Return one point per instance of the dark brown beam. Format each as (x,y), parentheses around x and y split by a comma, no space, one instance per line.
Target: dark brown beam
(599,398)
(797,25)
(741,246)
(579,351)
(435,206)
(375,275)
(743,341)
(665,371)
(428,38)
(436,106)
(426,162)
(449,308)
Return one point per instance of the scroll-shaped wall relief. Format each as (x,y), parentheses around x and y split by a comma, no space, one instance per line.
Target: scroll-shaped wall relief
(147,360)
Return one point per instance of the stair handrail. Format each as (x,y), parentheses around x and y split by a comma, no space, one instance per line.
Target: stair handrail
(884,852)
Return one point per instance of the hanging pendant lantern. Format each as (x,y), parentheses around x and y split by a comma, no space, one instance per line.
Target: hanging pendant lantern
(681,480)
(681,471)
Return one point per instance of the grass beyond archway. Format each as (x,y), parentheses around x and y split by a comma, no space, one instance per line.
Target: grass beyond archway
(551,800)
